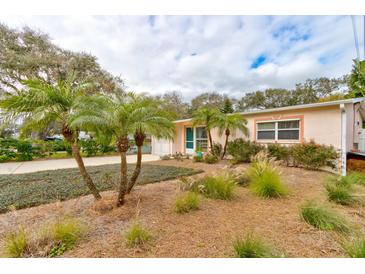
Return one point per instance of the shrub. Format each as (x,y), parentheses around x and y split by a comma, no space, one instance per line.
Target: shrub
(137,235)
(322,218)
(62,235)
(25,150)
(357,178)
(356,249)
(340,194)
(215,187)
(242,150)
(16,244)
(313,156)
(279,152)
(265,178)
(211,159)
(187,202)
(251,247)
(198,158)
(89,146)
(217,149)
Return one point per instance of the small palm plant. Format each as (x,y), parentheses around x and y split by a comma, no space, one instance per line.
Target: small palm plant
(228,124)
(207,117)
(42,104)
(123,115)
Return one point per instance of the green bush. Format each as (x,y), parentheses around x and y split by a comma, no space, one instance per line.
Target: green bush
(217,149)
(279,152)
(242,150)
(215,187)
(187,202)
(137,235)
(356,249)
(313,156)
(322,218)
(16,244)
(251,247)
(198,158)
(211,159)
(265,180)
(90,147)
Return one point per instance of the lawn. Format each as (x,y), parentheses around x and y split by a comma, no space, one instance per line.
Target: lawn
(31,189)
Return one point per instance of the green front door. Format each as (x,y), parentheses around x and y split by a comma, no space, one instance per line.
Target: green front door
(189,140)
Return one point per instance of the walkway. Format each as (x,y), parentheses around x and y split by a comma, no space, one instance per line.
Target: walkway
(33,166)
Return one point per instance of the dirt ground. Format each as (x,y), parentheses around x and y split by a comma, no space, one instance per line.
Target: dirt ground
(207,232)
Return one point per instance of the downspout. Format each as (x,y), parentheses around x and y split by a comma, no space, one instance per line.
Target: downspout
(343,139)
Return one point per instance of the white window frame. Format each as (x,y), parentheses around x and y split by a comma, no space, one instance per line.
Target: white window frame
(200,139)
(276,129)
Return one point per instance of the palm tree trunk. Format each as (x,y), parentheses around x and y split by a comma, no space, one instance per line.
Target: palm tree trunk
(225,145)
(70,137)
(123,146)
(85,175)
(137,170)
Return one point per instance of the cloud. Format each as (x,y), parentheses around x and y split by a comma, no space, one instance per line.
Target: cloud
(194,54)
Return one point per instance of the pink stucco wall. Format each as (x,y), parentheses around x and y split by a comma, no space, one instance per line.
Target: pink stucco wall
(320,124)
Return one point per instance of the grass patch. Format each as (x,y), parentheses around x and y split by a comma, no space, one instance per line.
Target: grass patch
(216,187)
(357,177)
(32,189)
(323,218)
(340,194)
(187,202)
(265,178)
(251,247)
(356,249)
(15,244)
(137,235)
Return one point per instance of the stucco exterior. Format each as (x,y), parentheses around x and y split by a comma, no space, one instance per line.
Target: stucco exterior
(319,122)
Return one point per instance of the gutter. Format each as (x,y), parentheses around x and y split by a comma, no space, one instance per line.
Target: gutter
(343,139)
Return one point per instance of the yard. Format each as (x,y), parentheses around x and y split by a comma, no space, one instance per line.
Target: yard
(207,232)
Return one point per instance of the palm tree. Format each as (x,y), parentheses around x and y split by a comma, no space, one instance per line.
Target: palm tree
(41,104)
(230,123)
(357,79)
(121,116)
(207,117)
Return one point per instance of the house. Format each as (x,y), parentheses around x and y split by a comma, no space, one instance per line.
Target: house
(337,123)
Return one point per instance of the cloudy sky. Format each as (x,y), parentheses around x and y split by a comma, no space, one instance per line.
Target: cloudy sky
(194,54)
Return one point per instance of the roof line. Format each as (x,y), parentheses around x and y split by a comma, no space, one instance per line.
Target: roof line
(313,105)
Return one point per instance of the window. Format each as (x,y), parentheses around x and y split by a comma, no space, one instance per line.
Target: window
(266,131)
(201,139)
(279,130)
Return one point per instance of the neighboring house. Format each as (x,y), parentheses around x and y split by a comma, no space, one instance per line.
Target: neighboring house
(337,123)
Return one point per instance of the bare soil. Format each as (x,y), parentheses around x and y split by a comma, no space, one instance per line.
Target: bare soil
(207,232)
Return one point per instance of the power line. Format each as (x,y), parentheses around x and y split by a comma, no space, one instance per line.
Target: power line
(355,37)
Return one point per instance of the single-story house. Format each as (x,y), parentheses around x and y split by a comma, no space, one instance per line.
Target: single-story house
(338,123)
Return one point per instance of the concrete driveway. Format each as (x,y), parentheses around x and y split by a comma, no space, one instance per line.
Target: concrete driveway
(33,166)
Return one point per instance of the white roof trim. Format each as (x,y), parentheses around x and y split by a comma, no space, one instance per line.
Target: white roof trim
(314,105)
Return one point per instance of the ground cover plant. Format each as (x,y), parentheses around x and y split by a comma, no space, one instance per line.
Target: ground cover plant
(137,235)
(322,217)
(265,180)
(187,202)
(31,189)
(251,247)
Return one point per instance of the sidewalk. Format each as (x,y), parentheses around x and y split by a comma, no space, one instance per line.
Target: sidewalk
(34,166)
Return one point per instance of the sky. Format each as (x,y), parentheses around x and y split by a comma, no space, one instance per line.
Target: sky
(196,54)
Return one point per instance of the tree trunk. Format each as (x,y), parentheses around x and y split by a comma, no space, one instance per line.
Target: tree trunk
(123,145)
(87,179)
(210,141)
(139,140)
(225,144)
(69,136)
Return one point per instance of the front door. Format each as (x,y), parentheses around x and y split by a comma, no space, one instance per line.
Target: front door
(189,140)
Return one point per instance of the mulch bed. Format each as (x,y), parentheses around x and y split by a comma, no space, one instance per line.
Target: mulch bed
(207,232)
